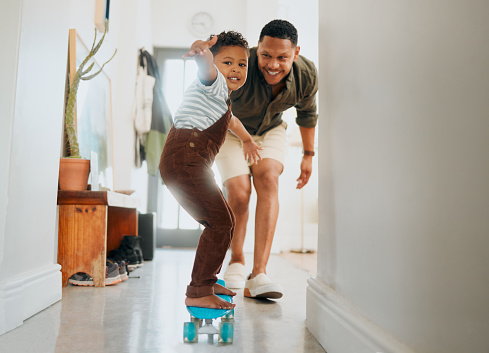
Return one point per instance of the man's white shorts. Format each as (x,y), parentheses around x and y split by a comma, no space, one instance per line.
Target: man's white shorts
(230,159)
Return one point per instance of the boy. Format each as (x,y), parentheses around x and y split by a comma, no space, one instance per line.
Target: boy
(199,129)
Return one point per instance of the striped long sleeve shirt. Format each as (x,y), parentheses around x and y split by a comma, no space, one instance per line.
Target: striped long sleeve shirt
(202,105)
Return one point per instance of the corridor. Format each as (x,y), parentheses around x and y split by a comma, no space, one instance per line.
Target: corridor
(146,314)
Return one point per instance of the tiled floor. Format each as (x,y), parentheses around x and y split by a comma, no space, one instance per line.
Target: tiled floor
(146,314)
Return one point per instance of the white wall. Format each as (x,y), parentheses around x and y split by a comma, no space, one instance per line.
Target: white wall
(32,71)
(132,23)
(10,22)
(404,198)
(171,29)
(33,92)
(129,30)
(171,20)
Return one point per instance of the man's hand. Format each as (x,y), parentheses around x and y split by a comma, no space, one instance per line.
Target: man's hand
(250,150)
(306,170)
(307,135)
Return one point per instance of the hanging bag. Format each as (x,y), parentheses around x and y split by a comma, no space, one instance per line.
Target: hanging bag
(144,99)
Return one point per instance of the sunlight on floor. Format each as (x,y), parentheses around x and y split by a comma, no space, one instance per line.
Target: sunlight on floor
(306,262)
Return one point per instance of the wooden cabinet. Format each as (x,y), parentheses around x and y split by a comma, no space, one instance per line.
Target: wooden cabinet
(91,223)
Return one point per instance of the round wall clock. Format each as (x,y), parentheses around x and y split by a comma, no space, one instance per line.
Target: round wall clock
(201,24)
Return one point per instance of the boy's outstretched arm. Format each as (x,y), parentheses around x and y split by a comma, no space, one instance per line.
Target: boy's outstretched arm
(250,148)
(204,59)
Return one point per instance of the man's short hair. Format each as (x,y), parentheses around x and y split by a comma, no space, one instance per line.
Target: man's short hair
(280,29)
(229,39)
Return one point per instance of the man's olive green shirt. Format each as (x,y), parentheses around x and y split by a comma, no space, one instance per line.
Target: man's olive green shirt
(254,106)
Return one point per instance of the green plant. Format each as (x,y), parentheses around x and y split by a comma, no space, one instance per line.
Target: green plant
(70,128)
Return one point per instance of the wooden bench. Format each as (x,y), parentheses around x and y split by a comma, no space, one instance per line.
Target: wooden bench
(91,223)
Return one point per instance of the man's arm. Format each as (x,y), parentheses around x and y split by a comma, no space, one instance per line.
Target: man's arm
(307,135)
(307,119)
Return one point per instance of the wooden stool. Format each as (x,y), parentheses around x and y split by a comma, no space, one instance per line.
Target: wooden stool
(91,223)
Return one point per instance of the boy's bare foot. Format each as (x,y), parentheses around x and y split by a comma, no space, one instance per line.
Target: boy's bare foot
(218,289)
(211,301)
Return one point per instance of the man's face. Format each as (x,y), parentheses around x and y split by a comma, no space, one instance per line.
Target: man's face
(275,58)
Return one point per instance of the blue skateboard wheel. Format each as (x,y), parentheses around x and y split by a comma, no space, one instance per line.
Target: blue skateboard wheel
(226,332)
(190,332)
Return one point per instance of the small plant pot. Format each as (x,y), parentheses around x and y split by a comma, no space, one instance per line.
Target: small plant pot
(73,173)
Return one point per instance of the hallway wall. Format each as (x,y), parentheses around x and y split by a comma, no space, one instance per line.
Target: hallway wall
(32,81)
(35,39)
(403,256)
(129,30)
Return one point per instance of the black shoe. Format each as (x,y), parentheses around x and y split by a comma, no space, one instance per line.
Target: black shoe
(132,246)
(129,257)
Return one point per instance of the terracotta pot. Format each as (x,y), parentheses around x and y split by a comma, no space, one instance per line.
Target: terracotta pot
(73,173)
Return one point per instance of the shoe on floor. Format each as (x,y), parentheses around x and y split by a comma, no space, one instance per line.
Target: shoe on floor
(112,276)
(81,279)
(122,268)
(129,251)
(262,287)
(235,276)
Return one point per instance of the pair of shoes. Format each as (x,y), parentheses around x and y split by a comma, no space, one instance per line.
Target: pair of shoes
(130,251)
(112,276)
(261,287)
(122,268)
(119,255)
(235,276)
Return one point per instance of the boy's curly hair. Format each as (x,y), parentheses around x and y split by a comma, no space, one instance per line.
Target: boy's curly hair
(280,29)
(227,39)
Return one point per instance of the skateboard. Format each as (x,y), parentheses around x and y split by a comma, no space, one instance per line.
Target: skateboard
(201,322)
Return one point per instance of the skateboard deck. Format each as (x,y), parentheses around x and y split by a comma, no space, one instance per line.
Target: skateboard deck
(206,313)
(201,322)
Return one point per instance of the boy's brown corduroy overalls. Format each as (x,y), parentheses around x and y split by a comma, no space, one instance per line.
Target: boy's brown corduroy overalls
(185,168)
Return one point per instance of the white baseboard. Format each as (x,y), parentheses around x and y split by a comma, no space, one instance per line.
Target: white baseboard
(27,294)
(340,329)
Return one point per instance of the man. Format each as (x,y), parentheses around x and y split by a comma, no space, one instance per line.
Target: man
(278,79)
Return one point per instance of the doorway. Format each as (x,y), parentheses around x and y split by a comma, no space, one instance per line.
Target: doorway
(176,228)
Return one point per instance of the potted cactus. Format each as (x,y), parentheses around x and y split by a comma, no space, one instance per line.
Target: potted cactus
(73,169)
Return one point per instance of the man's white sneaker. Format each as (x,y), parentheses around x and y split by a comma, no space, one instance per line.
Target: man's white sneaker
(235,276)
(262,287)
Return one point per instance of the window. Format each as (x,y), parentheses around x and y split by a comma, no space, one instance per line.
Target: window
(173,221)
(177,74)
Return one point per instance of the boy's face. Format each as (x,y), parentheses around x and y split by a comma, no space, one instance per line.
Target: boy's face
(232,62)
(275,58)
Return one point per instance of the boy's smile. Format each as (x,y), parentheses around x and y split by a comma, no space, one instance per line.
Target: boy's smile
(232,62)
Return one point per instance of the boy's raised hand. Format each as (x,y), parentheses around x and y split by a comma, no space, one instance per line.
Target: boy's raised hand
(200,47)
(205,60)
